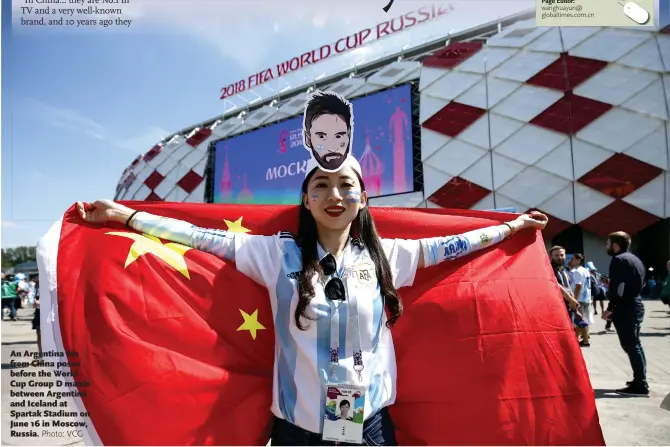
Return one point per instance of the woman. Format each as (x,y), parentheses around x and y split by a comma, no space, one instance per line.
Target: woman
(328,287)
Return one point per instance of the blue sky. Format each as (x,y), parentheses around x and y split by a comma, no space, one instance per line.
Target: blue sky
(79,106)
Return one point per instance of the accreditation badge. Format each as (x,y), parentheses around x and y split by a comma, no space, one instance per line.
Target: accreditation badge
(344,413)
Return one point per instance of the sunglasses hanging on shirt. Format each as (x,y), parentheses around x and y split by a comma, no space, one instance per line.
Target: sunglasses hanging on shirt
(334,288)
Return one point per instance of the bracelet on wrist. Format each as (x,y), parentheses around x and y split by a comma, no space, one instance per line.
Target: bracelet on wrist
(512,230)
(130,218)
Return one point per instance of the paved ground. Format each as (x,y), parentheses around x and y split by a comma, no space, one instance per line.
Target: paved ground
(625,421)
(18,337)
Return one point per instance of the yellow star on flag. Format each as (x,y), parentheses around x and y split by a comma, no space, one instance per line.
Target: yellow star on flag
(171,253)
(236,227)
(251,323)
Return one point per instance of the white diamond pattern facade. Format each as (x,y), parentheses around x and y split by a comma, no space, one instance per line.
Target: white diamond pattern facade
(570,121)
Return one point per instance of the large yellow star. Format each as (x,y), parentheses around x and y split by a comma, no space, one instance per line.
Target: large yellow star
(171,253)
(236,227)
(251,323)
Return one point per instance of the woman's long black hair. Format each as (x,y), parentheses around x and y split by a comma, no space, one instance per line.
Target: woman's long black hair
(363,228)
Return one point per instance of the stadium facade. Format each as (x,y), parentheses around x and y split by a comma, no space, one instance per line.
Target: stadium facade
(574,122)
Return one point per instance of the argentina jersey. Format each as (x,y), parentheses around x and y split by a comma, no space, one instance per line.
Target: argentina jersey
(302,357)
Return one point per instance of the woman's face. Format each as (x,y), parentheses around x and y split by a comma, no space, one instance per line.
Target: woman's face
(334,198)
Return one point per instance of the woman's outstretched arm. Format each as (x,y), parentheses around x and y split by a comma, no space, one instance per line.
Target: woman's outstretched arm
(220,243)
(439,249)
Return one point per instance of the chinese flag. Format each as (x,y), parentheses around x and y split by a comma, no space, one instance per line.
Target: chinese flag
(178,346)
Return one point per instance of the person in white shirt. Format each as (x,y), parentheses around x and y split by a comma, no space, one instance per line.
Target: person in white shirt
(328,286)
(581,283)
(22,288)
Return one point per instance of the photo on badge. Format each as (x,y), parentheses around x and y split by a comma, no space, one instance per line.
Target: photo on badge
(344,413)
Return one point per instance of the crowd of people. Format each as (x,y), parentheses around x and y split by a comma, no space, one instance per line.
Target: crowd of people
(583,287)
(20,291)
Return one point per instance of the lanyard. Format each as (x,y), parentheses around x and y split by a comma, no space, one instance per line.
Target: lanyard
(354,320)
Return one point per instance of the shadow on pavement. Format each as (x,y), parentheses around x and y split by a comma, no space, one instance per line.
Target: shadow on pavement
(653,334)
(610,394)
(19,343)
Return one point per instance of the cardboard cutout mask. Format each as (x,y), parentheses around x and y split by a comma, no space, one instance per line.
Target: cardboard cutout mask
(328,129)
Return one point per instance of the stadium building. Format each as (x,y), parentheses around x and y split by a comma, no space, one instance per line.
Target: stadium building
(572,121)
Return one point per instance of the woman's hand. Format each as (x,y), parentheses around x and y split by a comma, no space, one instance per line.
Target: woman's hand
(103,211)
(534,220)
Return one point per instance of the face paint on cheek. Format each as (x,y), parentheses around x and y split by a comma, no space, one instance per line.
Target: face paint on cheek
(353,196)
(342,144)
(315,197)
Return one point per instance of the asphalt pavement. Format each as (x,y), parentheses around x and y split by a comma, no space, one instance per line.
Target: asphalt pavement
(624,420)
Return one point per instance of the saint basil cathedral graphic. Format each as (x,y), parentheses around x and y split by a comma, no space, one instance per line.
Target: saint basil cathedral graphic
(226,186)
(399,128)
(372,168)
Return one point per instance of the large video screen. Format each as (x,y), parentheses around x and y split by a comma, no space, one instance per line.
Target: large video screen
(268,165)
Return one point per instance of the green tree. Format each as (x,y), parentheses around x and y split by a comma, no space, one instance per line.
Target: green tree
(17,255)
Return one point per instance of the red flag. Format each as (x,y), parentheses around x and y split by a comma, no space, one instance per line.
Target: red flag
(178,346)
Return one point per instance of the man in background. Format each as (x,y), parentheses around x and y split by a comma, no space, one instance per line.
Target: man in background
(22,290)
(557,256)
(665,290)
(597,289)
(581,283)
(626,309)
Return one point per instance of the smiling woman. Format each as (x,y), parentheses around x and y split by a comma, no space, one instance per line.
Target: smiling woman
(328,284)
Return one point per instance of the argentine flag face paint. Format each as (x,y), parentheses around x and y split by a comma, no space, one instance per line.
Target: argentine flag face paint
(353,196)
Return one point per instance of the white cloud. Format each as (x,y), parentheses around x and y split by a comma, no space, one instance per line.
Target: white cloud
(320,20)
(65,118)
(74,121)
(10,225)
(144,141)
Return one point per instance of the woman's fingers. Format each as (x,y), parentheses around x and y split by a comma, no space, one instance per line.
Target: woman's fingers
(80,210)
(84,209)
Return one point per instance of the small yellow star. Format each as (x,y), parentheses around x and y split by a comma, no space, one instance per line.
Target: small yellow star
(171,253)
(236,227)
(251,323)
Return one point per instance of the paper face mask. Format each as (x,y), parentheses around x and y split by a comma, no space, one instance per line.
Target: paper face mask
(328,129)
